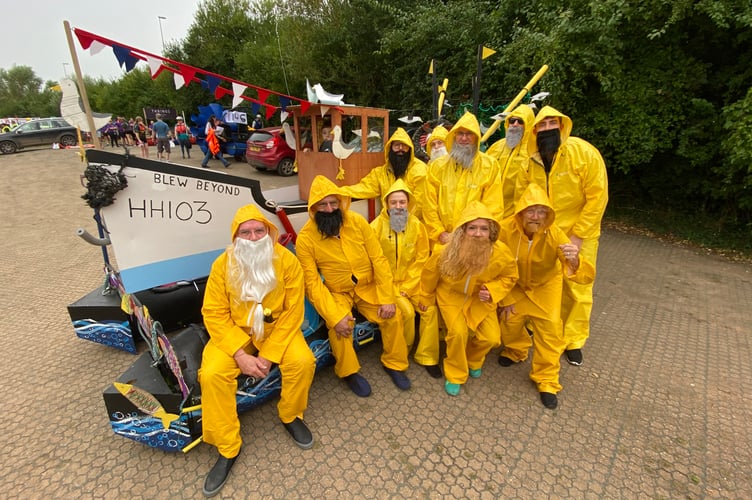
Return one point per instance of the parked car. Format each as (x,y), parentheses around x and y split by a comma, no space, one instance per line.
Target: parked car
(266,149)
(39,132)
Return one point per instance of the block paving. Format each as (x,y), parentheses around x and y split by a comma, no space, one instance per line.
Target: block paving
(659,409)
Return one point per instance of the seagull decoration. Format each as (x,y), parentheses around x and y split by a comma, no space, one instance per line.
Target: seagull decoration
(317,94)
(72,109)
(289,135)
(340,151)
(290,140)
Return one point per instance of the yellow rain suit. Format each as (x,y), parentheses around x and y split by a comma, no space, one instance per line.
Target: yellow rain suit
(451,187)
(378,181)
(226,319)
(472,325)
(537,293)
(513,161)
(577,186)
(354,272)
(407,253)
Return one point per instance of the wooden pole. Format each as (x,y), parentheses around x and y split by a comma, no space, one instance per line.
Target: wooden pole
(81,86)
(515,101)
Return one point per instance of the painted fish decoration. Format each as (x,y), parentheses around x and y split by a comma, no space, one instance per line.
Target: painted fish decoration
(146,403)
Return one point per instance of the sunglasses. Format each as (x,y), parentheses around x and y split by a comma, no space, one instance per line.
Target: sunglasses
(513,121)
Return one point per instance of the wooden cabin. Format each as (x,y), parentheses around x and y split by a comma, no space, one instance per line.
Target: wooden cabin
(364,131)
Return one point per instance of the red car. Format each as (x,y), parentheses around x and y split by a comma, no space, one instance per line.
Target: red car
(266,149)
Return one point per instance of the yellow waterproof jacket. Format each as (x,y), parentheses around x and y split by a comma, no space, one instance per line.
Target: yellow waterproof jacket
(353,263)
(577,184)
(499,277)
(450,187)
(513,161)
(378,181)
(228,319)
(407,251)
(540,261)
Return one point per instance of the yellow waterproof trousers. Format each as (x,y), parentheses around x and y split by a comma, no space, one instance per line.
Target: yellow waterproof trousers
(466,350)
(218,378)
(394,354)
(427,351)
(577,302)
(548,345)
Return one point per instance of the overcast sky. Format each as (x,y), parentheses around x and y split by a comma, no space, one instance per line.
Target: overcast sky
(33,33)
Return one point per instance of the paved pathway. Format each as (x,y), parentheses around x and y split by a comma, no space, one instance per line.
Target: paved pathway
(660,409)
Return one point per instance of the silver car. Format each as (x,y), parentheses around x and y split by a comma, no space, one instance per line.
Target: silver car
(38,132)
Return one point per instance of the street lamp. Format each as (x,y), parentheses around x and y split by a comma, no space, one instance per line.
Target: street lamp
(161,18)
(65,70)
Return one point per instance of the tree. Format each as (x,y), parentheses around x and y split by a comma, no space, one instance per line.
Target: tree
(23,94)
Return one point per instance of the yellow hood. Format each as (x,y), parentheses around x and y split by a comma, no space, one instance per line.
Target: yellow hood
(321,187)
(399,185)
(469,122)
(399,135)
(527,115)
(534,195)
(477,210)
(252,212)
(438,132)
(547,112)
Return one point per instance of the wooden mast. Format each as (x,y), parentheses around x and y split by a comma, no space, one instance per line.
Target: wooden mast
(81,86)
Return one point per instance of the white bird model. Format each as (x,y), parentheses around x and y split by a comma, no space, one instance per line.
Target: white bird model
(339,150)
(289,135)
(325,97)
(72,109)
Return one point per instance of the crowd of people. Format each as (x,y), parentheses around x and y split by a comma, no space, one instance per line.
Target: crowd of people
(134,132)
(487,249)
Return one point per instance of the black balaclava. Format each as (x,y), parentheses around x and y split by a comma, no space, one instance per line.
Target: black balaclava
(548,144)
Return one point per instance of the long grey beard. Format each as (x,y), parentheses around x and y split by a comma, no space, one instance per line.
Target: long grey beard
(397,219)
(514,136)
(464,154)
(251,274)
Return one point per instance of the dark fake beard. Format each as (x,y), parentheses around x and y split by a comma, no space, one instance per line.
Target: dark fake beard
(399,162)
(329,223)
(548,144)
(397,219)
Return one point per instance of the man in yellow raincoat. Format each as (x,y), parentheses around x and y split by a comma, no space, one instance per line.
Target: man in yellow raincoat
(458,178)
(541,249)
(400,163)
(253,310)
(338,245)
(405,244)
(436,143)
(512,153)
(468,278)
(574,175)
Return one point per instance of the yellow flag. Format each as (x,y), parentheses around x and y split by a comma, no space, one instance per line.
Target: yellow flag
(487,52)
(430,68)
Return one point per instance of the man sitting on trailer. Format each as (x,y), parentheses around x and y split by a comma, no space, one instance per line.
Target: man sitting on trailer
(253,309)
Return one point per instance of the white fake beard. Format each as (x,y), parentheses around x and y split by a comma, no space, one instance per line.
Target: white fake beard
(251,275)
(464,154)
(514,136)
(438,152)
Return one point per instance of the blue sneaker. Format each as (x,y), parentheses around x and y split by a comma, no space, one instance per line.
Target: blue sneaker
(451,389)
(399,378)
(475,373)
(359,385)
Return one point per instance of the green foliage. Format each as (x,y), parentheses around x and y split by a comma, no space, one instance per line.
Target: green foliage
(23,95)
(661,87)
